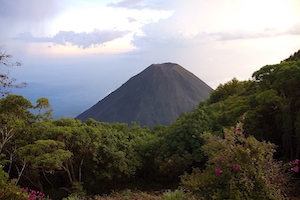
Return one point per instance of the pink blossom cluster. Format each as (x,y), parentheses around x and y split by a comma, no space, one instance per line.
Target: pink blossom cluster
(223,159)
(218,171)
(295,168)
(34,195)
(238,130)
(236,167)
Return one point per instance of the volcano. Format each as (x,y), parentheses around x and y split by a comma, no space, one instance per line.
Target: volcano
(157,95)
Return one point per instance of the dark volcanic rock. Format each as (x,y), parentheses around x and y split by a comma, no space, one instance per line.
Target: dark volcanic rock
(157,95)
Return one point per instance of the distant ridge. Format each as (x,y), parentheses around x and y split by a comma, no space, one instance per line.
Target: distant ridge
(157,95)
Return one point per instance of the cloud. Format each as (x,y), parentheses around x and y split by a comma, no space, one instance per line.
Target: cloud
(82,40)
(27,37)
(251,34)
(32,10)
(240,35)
(177,32)
(294,30)
(136,4)
(131,19)
(2,47)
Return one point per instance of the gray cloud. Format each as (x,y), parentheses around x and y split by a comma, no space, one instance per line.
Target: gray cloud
(32,10)
(136,4)
(27,37)
(82,40)
(2,47)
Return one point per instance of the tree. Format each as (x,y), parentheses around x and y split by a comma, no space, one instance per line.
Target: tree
(294,57)
(43,104)
(277,105)
(15,119)
(5,81)
(45,156)
(180,148)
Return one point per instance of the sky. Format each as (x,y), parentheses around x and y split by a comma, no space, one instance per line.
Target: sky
(75,52)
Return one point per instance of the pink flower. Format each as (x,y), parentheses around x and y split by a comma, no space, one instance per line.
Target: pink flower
(218,171)
(268,181)
(295,169)
(296,162)
(236,167)
(223,159)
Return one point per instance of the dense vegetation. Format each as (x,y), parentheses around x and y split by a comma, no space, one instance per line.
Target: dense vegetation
(243,142)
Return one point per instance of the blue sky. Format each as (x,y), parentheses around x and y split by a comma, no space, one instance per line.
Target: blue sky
(75,52)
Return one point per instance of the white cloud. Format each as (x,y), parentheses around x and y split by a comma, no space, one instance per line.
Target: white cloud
(203,37)
(136,4)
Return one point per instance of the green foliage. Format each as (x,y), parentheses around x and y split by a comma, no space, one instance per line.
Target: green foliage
(238,167)
(228,103)
(276,106)
(16,106)
(73,197)
(175,195)
(294,57)
(116,156)
(181,146)
(43,104)
(47,155)
(223,91)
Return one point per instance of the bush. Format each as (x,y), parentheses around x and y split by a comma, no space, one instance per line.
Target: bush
(238,167)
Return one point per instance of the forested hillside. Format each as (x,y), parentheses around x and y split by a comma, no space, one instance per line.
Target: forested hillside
(243,142)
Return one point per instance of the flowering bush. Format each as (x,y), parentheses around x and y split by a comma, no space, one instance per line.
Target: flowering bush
(35,195)
(238,167)
(295,167)
(8,190)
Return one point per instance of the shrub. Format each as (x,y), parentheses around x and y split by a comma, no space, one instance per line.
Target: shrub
(238,167)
